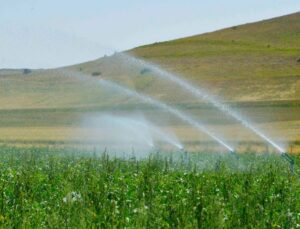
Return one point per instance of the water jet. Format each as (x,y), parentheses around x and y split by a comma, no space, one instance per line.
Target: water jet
(151,101)
(200,94)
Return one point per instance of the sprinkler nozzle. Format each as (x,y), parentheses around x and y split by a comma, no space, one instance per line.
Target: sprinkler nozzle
(182,149)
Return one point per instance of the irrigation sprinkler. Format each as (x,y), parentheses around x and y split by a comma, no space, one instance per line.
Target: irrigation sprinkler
(290,160)
(234,154)
(186,157)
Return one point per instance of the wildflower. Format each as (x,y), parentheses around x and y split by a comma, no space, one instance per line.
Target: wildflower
(289,214)
(72,197)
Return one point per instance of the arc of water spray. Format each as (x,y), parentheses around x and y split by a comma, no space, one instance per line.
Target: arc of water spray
(162,135)
(158,132)
(201,94)
(147,99)
(150,143)
(163,106)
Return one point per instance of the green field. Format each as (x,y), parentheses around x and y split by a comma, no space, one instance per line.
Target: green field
(68,188)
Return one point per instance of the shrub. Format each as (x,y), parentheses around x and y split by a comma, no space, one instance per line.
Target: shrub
(26,71)
(96,73)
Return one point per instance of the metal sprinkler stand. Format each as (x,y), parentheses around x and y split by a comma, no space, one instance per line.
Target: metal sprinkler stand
(186,157)
(290,160)
(234,153)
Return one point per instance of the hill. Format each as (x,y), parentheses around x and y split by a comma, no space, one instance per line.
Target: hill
(257,61)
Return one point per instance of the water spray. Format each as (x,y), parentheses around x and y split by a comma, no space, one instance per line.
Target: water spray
(200,93)
(153,129)
(162,135)
(179,114)
(166,107)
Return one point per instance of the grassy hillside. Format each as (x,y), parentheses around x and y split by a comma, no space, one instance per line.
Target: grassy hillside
(258,61)
(255,67)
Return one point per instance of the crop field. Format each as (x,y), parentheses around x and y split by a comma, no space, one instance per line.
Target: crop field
(56,188)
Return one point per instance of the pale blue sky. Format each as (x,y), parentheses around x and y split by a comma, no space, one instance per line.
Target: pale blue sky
(51,33)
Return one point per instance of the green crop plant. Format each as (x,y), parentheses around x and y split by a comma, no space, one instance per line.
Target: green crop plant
(60,187)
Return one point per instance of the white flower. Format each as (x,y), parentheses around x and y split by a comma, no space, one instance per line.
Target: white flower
(289,214)
(72,197)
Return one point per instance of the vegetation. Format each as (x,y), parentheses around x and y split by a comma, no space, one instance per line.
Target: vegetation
(62,188)
(26,71)
(96,74)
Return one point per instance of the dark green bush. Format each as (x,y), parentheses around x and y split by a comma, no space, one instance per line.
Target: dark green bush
(96,74)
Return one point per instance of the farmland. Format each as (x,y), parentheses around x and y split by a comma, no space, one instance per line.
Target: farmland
(53,175)
(55,188)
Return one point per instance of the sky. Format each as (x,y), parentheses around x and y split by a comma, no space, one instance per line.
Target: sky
(48,34)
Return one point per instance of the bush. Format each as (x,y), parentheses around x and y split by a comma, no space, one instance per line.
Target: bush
(26,71)
(96,74)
